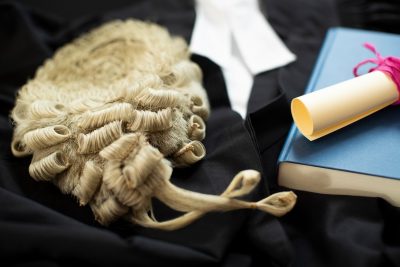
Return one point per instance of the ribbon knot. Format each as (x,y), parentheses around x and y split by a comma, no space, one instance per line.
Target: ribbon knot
(389,65)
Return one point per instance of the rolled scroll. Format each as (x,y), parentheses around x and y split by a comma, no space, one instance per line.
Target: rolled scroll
(324,111)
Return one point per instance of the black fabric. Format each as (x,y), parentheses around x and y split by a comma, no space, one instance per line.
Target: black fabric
(380,15)
(41,227)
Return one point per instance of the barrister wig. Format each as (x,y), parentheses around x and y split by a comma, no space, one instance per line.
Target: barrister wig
(108,117)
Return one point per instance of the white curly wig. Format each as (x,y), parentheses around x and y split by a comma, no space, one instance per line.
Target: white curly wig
(108,117)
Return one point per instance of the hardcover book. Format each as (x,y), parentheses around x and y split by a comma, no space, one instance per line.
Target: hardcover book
(362,159)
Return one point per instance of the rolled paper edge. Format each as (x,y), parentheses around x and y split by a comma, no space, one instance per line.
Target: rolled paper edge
(299,109)
(343,124)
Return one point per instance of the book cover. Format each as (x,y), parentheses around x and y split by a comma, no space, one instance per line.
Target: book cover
(361,159)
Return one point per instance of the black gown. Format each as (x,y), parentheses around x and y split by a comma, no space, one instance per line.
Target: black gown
(41,227)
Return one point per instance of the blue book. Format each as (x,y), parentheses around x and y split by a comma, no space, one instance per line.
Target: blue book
(362,159)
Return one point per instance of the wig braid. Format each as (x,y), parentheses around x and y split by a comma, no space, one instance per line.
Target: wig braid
(108,117)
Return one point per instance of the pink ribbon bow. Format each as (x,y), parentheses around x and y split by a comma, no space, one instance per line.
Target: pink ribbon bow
(389,65)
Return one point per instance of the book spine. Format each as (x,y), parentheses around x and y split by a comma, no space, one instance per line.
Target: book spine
(283,155)
(310,87)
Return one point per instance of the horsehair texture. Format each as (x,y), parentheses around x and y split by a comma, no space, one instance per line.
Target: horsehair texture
(108,117)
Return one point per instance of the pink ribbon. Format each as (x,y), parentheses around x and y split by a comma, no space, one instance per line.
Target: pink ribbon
(389,65)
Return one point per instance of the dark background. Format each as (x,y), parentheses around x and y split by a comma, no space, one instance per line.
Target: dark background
(374,15)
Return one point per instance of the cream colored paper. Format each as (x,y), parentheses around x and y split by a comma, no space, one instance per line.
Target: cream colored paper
(321,112)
